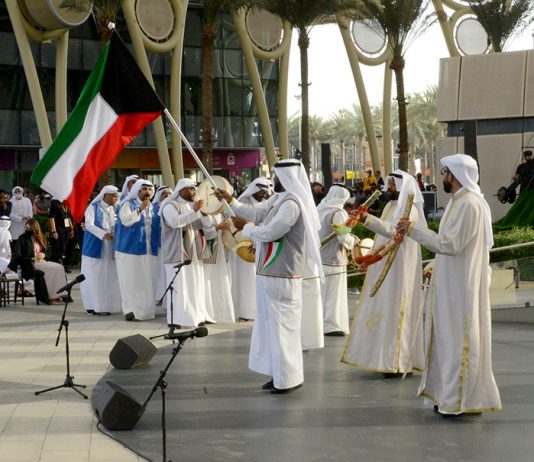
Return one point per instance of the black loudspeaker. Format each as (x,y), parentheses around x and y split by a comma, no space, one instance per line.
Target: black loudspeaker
(470,138)
(130,352)
(115,407)
(326,165)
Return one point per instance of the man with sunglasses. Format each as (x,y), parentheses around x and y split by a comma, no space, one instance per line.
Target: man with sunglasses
(458,375)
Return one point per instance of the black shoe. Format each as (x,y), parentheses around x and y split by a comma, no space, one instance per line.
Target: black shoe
(102,313)
(129,317)
(174,326)
(209,322)
(284,391)
(245,319)
(201,324)
(89,312)
(392,375)
(268,386)
(336,333)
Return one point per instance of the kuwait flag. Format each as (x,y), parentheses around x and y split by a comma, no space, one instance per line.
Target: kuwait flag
(115,105)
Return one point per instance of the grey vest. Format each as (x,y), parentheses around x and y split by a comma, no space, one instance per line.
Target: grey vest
(176,243)
(332,253)
(283,258)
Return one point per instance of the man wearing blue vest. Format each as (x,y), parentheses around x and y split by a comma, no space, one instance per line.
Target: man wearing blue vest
(134,252)
(100,291)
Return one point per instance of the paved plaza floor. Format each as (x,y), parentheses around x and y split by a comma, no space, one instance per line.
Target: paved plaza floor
(60,426)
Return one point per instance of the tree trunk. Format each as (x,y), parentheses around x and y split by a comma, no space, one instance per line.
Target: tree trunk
(397,65)
(304,43)
(208,39)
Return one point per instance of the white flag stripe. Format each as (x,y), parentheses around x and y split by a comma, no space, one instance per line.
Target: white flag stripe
(99,119)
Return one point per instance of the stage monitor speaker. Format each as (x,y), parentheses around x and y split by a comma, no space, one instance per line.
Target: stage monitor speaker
(115,407)
(133,351)
(326,165)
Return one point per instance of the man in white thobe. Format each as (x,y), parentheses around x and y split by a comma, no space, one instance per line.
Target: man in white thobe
(21,212)
(100,290)
(160,277)
(458,376)
(243,272)
(334,257)
(387,330)
(134,253)
(285,229)
(214,257)
(181,221)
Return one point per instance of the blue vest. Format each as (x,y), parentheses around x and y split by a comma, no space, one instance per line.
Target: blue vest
(131,239)
(92,245)
(155,235)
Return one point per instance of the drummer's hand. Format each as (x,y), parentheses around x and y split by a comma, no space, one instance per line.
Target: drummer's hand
(197,205)
(222,194)
(223,225)
(239,222)
(403,226)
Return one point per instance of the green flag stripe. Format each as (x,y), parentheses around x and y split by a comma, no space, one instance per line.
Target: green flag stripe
(75,122)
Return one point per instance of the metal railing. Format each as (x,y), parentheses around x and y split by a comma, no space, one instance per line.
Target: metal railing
(495,249)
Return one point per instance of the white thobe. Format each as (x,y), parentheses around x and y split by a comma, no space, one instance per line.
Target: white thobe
(219,303)
(188,300)
(458,375)
(334,288)
(387,330)
(311,330)
(243,277)
(275,346)
(136,272)
(100,291)
(20,208)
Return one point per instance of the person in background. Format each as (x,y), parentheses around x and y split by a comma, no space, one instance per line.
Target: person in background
(29,254)
(127,185)
(5,204)
(420,181)
(369,182)
(379,179)
(317,192)
(21,212)
(61,229)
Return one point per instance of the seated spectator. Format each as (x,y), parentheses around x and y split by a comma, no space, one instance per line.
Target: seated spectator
(28,253)
(5,204)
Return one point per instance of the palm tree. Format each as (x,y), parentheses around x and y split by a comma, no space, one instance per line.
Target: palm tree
(212,12)
(502,19)
(104,12)
(402,21)
(302,15)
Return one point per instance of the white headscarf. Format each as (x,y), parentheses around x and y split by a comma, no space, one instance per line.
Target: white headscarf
(405,186)
(109,189)
(125,190)
(16,188)
(259,184)
(465,170)
(335,199)
(183,183)
(134,192)
(159,192)
(293,177)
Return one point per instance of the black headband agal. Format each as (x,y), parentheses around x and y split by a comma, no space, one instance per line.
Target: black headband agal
(396,175)
(287,164)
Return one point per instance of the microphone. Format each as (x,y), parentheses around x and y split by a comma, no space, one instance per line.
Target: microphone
(198,332)
(69,286)
(179,265)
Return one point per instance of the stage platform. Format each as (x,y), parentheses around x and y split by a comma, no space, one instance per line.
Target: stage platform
(217,411)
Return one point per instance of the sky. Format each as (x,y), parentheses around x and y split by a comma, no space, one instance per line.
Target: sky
(332,85)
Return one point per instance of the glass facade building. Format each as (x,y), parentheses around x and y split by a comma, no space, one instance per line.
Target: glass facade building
(235,116)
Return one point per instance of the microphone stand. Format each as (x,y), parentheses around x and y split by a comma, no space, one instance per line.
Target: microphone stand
(69,379)
(170,288)
(162,384)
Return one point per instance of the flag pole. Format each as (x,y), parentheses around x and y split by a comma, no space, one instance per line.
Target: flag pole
(195,156)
